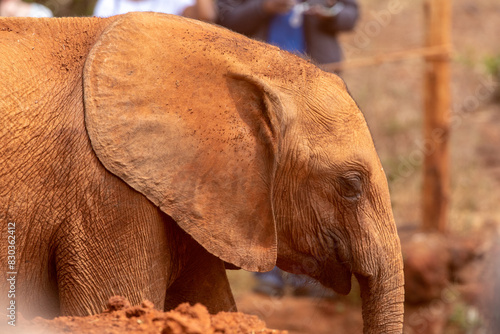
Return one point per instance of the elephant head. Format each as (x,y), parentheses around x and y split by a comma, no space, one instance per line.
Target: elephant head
(257,154)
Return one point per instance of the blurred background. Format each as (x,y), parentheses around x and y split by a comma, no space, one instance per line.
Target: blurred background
(69,7)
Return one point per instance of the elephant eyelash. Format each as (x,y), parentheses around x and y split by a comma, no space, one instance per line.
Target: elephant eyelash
(351,187)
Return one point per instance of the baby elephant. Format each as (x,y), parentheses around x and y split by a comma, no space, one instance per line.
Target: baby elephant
(141,153)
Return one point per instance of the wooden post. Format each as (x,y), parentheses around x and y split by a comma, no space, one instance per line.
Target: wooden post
(437,102)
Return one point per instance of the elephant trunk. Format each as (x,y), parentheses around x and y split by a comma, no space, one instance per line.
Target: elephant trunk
(383,305)
(379,272)
(382,292)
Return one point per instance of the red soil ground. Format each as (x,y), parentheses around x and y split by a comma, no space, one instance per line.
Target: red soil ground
(120,317)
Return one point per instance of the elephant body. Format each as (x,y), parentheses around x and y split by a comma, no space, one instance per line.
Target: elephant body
(62,199)
(139,153)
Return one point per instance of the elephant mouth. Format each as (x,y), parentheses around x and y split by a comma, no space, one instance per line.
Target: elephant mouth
(337,271)
(337,276)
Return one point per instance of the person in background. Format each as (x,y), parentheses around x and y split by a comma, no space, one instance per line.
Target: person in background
(19,8)
(204,10)
(305,28)
(309,27)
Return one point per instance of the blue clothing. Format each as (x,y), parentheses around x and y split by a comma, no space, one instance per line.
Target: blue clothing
(273,278)
(278,280)
(247,17)
(283,35)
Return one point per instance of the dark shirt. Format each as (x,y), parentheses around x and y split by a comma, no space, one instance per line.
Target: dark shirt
(247,17)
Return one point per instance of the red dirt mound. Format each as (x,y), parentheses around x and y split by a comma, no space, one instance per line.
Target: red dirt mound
(120,317)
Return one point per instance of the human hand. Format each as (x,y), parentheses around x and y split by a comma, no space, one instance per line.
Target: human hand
(323,12)
(277,6)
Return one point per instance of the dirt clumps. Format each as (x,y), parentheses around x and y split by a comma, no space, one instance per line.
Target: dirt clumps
(121,317)
(433,261)
(427,261)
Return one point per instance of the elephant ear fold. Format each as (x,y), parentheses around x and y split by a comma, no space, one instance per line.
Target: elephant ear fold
(196,141)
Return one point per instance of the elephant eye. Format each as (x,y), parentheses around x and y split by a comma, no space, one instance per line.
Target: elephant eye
(351,187)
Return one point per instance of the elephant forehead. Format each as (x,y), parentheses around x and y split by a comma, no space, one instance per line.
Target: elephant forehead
(334,126)
(340,143)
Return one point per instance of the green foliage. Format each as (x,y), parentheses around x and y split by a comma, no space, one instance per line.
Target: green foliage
(492,65)
(464,318)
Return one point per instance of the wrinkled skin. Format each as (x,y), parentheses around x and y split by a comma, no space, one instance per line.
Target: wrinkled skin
(141,152)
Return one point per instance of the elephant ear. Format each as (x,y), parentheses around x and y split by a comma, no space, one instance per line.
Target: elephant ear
(164,114)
